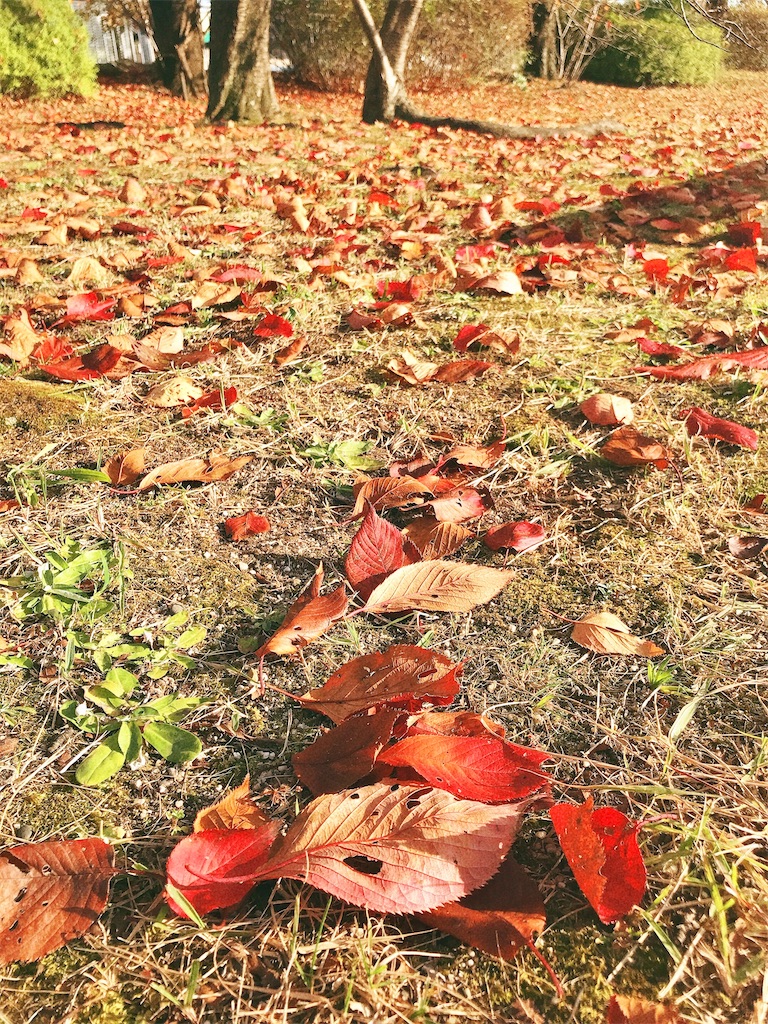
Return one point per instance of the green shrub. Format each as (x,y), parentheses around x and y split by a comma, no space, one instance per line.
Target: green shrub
(43,49)
(748,42)
(656,47)
(455,40)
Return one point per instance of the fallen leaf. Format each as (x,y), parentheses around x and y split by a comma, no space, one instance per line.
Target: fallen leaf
(50,893)
(498,918)
(635,1010)
(290,352)
(480,334)
(389,492)
(627,447)
(414,371)
(377,549)
(87,307)
(607,410)
(460,504)
(309,616)
(519,537)
(488,768)
(747,547)
(473,456)
(216,467)
(454,723)
(437,586)
(126,467)
(342,756)
(218,399)
(20,338)
(404,674)
(99,362)
(700,422)
(601,848)
(273,326)
(436,540)
(247,525)
(169,394)
(504,282)
(605,633)
(395,849)
(213,869)
(236,810)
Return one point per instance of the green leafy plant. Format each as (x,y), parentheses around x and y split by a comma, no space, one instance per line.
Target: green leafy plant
(44,49)
(242,415)
(127,724)
(348,454)
(68,583)
(140,646)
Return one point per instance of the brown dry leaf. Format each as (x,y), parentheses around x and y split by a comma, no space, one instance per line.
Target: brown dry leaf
(414,371)
(308,617)
(607,410)
(605,633)
(215,467)
(505,282)
(340,757)
(236,810)
(53,236)
(212,294)
(20,338)
(747,547)
(436,540)
(389,492)
(174,392)
(635,1010)
(27,273)
(627,447)
(132,192)
(88,270)
(126,467)
(437,586)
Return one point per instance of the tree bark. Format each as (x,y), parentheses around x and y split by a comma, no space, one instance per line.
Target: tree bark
(179,41)
(546,37)
(239,77)
(386,97)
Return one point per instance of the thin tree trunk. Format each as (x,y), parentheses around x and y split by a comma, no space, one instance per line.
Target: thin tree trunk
(386,97)
(240,78)
(179,39)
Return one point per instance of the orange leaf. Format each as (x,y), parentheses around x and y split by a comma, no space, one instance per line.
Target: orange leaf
(389,492)
(342,756)
(607,410)
(247,525)
(309,616)
(436,540)
(216,467)
(627,447)
(126,468)
(635,1010)
(236,810)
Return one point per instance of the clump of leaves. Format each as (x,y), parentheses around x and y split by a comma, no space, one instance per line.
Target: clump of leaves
(109,710)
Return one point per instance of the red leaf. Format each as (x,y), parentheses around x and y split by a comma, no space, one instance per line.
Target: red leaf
(460,504)
(522,536)
(498,918)
(213,400)
(52,350)
(628,447)
(50,893)
(89,307)
(698,421)
(660,348)
(601,849)
(342,756)
(483,335)
(747,232)
(377,549)
(405,675)
(396,849)
(545,206)
(488,768)
(246,525)
(214,869)
(94,364)
(273,326)
(656,270)
(741,259)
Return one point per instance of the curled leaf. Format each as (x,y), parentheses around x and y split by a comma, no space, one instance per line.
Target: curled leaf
(236,810)
(605,633)
(126,467)
(216,467)
(627,447)
(519,537)
(700,422)
(607,410)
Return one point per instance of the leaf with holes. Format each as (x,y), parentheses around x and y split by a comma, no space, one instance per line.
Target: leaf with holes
(309,616)
(395,849)
(485,768)
(437,586)
(605,633)
(498,918)
(600,845)
(50,893)
(377,549)
(405,675)
(216,868)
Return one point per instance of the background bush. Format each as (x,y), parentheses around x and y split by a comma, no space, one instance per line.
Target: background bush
(656,48)
(455,40)
(43,49)
(748,45)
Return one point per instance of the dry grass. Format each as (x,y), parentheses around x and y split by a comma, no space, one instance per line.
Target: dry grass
(681,742)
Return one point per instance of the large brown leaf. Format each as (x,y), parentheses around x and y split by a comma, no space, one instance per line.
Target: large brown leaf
(403,674)
(342,756)
(437,586)
(215,467)
(435,539)
(389,492)
(308,617)
(50,893)
(498,918)
(628,447)
(605,633)
(396,849)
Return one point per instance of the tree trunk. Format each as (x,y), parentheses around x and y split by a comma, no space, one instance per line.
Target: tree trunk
(384,83)
(240,78)
(545,21)
(179,40)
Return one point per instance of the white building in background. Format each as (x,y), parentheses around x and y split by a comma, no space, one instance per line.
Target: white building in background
(111,45)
